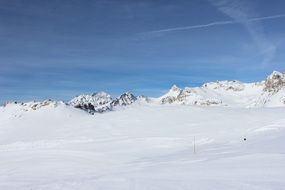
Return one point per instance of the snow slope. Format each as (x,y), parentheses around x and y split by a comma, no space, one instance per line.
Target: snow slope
(141,147)
(268,93)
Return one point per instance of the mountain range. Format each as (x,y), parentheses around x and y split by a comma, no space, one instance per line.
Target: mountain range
(232,93)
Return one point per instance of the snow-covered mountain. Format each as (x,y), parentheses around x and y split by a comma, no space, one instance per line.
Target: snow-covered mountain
(101,101)
(268,93)
(97,102)
(124,100)
(149,144)
(31,106)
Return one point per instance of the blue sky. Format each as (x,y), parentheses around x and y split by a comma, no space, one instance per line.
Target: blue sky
(61,48)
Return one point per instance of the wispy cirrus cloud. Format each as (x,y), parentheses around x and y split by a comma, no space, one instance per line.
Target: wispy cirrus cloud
(242,12)
(216,23)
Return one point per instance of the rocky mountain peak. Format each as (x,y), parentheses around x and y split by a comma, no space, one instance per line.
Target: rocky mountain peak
(175,88)
(101,101)
(126,98)
(97,102)
(275,81)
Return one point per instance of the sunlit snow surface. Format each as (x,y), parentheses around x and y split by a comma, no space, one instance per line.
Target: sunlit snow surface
(142,147)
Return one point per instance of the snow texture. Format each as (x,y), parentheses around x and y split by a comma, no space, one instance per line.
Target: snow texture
(268,93)
(142,147)
(148,143)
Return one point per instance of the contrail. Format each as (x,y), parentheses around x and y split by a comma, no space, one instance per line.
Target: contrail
(267,17)
(215,24)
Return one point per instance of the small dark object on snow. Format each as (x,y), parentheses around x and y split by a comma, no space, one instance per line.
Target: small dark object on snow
(244,139)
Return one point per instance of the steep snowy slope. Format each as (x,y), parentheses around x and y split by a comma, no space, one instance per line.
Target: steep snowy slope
(268,93)
(274,91)
(141,147)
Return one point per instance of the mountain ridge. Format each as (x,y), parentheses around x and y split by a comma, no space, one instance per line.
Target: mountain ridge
(233,93)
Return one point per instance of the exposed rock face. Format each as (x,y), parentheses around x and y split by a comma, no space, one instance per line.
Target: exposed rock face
(124,100)
(38,105)
(143,99)
(168,100)
(101,102)
(97,102)
(172,95)
(270,92)
(208,102)
(233,85)
(275,81)
(187,96)
(34,105)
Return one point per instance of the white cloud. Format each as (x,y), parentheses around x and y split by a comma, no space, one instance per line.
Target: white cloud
(217,23)
(242,12)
